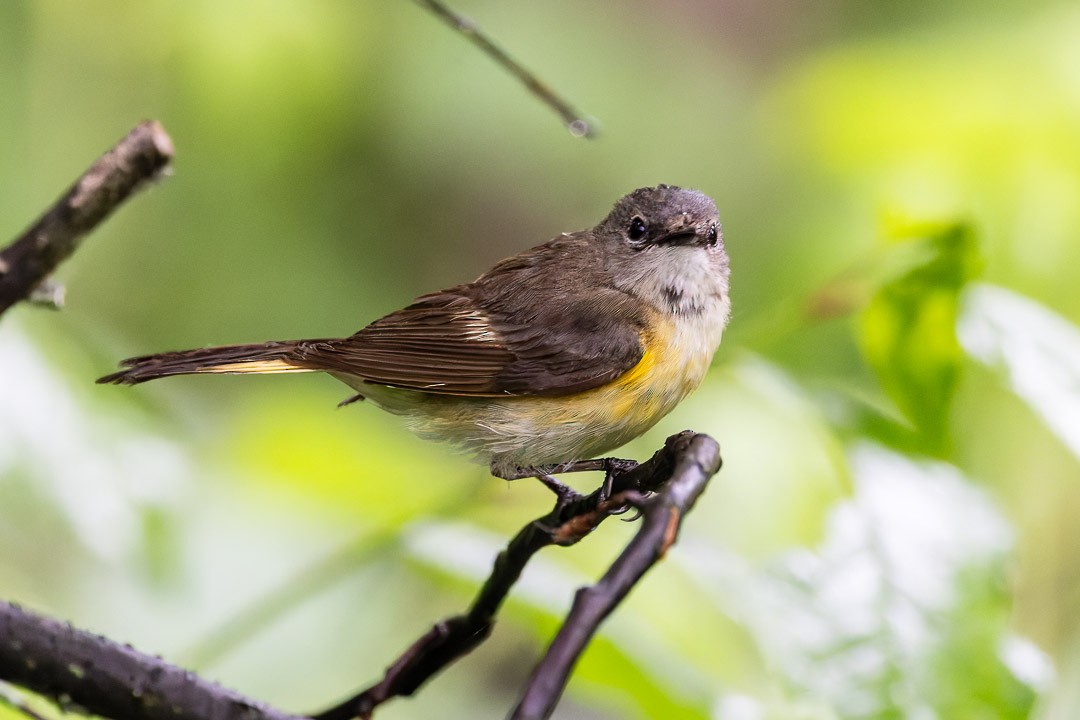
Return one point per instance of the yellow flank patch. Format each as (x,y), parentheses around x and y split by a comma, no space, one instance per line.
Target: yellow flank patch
(627,404)
(255,367)
(639,391)
(636,374)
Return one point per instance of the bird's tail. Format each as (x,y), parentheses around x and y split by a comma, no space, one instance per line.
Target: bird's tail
(273,357)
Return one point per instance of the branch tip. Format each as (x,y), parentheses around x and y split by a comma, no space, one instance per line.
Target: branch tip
(572,119)
(142,156)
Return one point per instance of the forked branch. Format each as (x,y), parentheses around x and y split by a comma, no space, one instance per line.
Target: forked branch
(104,678)
(663,489)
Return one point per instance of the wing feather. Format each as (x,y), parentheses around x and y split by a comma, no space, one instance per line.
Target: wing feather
(519,336)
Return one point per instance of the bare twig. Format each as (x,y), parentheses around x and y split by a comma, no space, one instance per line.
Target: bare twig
(108,679)
(141,156)
(687,460)
(574,121)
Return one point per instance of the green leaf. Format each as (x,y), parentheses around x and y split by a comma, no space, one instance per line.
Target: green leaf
(907,332)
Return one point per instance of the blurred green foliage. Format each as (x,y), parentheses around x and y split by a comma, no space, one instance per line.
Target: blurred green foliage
(893,533)
(908,330)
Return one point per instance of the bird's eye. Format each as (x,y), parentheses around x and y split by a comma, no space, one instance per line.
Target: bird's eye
(711,235)
(636,231)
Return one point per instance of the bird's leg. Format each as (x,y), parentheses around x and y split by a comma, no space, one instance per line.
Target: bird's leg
(563,492)
(610,466)
(613,467)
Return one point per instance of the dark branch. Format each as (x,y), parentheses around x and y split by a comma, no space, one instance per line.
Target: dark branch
(108,679)
(574,121)
(140,157)
(76,668)
(697,461)
(677,473)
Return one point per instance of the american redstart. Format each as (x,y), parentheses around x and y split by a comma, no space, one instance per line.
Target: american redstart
(555,355)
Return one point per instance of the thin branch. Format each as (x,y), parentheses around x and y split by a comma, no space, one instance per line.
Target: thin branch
(687,460)
(105,678)
(140,157)
(662,516)
(575,122)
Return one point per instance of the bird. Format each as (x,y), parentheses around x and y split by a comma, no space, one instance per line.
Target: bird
(554,356)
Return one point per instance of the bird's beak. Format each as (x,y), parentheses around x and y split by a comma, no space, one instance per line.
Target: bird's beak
(689,233)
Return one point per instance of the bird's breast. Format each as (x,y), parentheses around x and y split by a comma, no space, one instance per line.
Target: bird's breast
(678,352)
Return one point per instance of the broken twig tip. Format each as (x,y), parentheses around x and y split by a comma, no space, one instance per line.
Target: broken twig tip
(581,129)
(49,295)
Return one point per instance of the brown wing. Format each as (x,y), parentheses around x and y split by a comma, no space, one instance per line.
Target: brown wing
(518,341)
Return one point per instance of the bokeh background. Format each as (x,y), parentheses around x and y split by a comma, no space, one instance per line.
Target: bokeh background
(894,531)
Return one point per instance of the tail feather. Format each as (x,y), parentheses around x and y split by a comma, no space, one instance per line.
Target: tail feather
(274,357)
